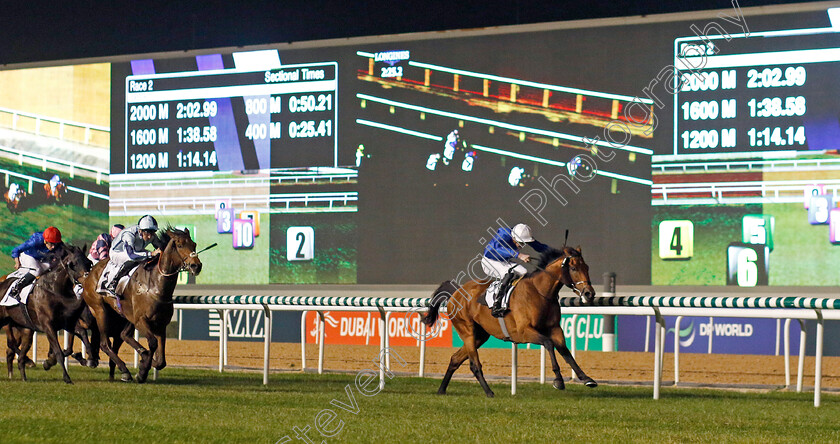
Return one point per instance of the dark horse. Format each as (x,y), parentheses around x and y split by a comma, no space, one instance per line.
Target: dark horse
(534,316)
(52,306)
(147,301)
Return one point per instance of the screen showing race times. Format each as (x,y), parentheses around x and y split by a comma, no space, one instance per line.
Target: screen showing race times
(225,120)
(766,92)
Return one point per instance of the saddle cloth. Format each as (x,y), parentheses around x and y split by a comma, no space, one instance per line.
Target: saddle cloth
(493,289)
(9,301)
(112,267)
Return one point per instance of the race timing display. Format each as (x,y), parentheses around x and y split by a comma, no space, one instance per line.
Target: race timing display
(205,121)
(767,92)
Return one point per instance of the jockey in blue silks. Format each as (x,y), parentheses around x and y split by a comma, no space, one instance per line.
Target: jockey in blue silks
(499,255)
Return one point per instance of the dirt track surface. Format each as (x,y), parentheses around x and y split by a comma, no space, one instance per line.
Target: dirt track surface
(624,367)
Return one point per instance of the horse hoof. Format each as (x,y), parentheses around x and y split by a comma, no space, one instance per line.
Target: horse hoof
(559,384)
(591,383)
(29,363)
(68,381)
(126,377)
(490,394)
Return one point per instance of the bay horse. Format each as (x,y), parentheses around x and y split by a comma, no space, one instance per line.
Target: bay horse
(534,316)
(146,302)
(52,306)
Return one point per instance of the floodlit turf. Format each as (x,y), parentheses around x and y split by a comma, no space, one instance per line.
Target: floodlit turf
(205,406)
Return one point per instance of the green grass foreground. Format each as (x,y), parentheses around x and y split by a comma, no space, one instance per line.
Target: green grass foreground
(208,407)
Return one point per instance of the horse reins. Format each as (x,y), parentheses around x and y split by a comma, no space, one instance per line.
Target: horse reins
(183,266)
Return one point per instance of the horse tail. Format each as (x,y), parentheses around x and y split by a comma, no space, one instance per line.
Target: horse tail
(441,295)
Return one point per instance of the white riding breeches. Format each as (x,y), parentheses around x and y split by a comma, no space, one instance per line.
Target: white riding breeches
(497,269)
(34,266)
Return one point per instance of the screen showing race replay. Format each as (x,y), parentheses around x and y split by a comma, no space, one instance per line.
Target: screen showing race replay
(240,120)
(748,195)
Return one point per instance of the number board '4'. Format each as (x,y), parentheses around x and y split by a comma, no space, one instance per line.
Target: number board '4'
(300,243)
(676,239)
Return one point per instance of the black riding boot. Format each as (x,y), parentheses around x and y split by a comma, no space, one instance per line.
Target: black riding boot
(19,285)
(111,287)
(497,310)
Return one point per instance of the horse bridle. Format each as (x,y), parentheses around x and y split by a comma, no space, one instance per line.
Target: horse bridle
(565,265)
(574,286)
(75,281)
(183,266)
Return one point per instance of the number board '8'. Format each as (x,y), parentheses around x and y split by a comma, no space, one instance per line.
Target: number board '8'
(300,243)
(676,239)
(747,265)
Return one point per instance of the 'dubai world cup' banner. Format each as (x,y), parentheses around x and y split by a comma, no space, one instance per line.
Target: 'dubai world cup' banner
(363,328)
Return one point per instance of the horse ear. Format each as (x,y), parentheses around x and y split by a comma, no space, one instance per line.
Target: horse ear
(578,249)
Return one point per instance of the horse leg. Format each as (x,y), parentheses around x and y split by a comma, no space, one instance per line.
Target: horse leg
(58,352)
(24,346)
(159,362)
(462,354)
(534,337)
(111,364)
(146,364)
(455,361)
(10,351)
(559,340)
(145,356)
(479,337)
(92,360)
(26,342)
(112,354)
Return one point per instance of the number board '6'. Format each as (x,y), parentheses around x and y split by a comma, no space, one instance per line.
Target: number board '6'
(300,243)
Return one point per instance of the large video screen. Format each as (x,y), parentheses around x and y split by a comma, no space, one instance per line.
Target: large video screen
(698,151)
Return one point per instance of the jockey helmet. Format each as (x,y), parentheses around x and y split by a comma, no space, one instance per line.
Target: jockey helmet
(522,233)
(52,235)
(147,223)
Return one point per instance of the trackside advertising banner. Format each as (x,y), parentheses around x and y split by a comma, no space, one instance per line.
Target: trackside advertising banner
(728,335)
(587,331)
(362,328)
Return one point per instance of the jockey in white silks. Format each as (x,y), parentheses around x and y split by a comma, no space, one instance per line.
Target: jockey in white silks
(129,248)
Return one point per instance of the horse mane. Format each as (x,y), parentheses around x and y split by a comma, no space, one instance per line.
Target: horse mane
(161,240)
(550,256)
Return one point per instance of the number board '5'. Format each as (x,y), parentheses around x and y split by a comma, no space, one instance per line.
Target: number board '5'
(300,243)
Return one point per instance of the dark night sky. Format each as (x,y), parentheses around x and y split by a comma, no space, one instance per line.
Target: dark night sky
(38,31)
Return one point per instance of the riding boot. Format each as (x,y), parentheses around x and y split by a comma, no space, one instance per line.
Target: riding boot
(20,284)
(497,310)
(111,287)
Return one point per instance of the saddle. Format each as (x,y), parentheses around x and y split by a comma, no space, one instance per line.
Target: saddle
(492,290)
(110,268)
(8,301)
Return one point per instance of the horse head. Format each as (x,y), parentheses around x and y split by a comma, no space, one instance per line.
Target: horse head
(180,247)
(76,262)
(572,271)
(70,259)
